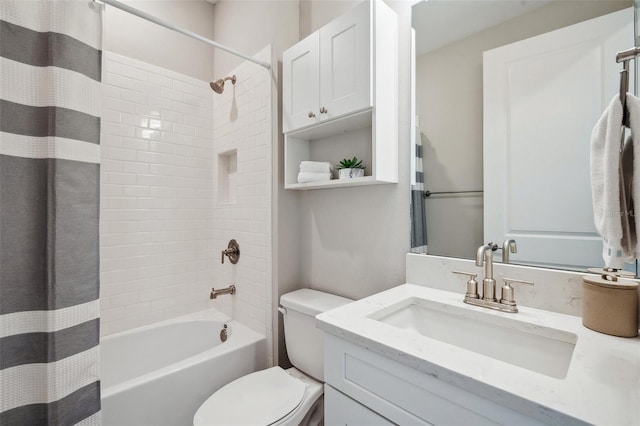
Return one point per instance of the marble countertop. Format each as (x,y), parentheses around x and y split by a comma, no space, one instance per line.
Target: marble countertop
(602,385)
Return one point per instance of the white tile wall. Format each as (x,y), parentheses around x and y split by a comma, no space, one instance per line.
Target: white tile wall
(162,228)
(156,194)
(242,122)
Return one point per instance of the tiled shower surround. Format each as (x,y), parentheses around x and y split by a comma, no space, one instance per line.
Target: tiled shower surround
(162,226)
(242,127)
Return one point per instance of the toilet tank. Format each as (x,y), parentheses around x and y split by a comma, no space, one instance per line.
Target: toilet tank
(303,340)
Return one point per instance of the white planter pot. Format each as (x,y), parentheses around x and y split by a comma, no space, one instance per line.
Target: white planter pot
(350,173)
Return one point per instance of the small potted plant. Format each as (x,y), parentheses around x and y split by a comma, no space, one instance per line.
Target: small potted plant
(350,168)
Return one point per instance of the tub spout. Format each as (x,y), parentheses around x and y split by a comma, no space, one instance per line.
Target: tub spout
(229,290)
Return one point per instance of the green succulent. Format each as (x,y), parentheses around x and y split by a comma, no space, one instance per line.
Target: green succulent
(353,163)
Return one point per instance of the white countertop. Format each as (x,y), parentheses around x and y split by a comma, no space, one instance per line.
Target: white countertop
(602,385)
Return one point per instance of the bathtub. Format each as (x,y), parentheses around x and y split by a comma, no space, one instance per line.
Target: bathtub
(160,374)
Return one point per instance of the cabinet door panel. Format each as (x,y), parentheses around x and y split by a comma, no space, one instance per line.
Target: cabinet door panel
(345,58)
(344,411)
(300,90)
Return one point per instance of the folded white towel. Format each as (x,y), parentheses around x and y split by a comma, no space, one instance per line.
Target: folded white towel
(313,177)
(605,182)
(315,167)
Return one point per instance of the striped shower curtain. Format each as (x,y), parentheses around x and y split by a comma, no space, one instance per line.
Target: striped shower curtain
(50,67)
(418,214)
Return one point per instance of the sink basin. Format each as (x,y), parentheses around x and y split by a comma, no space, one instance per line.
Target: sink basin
(534,347)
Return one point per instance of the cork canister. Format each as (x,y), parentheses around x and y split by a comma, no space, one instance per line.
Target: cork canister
(610,305)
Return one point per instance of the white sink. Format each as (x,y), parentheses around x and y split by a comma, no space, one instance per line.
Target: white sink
(537,348)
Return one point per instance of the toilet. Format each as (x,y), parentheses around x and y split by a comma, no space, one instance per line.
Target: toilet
(276,396)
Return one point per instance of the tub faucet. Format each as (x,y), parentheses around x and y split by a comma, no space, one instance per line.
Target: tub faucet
(229,290)
(485,257)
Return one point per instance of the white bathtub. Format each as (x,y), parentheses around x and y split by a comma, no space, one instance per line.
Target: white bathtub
(160,374)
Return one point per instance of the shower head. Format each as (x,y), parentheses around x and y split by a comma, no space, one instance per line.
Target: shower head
(218,85)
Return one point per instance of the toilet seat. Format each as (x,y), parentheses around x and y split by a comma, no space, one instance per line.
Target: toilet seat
(262,398)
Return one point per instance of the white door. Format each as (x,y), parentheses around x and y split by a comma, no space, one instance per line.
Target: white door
(345,63)
(542,98)
(300,91)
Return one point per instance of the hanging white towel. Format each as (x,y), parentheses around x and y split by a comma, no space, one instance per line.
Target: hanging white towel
(315,167)
(605,182)
(313,177)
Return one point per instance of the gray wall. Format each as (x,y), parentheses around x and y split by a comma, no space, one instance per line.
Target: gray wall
(250,25)
(136,38)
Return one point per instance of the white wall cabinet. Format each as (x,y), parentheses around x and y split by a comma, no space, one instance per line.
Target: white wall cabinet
(328,74)
(396,393)
(340,91)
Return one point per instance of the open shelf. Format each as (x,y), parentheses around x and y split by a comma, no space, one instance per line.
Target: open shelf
(343,137)
(336,183)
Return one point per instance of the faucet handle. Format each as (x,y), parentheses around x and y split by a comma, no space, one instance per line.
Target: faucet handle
(472,284)
(232,252)
(507,291)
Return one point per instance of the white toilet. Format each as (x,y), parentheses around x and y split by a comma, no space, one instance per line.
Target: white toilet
(275,396)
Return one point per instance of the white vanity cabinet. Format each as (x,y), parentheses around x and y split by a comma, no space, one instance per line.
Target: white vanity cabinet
(340,90)
(395,393)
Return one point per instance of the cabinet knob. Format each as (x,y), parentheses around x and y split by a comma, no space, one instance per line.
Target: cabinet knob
(323,110)
(311,114)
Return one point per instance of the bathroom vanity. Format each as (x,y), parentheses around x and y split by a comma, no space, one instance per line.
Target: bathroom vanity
(415,354)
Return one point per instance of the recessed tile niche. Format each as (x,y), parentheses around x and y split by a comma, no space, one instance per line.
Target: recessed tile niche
(228,177)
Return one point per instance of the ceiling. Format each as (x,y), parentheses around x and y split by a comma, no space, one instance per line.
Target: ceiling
(441,22)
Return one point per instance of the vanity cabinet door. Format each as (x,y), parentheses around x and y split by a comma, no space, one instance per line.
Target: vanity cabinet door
(345,63)
(342,410)
(300,90)
(405,395)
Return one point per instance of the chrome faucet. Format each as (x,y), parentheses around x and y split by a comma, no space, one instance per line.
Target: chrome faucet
(229,290)
(485,257)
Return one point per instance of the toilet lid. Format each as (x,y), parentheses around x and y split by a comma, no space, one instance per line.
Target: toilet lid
(260,398)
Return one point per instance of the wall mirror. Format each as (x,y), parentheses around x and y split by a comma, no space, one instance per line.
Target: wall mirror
(506,96)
